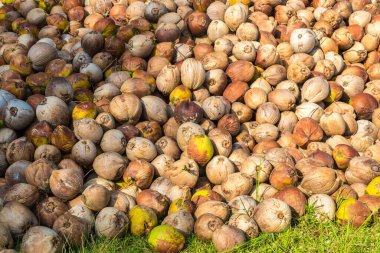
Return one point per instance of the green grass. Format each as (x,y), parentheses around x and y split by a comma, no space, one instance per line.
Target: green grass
(308,235)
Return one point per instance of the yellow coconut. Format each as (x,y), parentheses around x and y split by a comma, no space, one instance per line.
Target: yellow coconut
(353,212)
(181,204)
(79,81)
(143,220)
(373,187)
(84,110)
(204,195)
(200,149)
(179,94)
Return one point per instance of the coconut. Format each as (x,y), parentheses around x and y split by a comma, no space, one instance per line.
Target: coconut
(206,225)
(221,140)
(203,195)
(140,148)
(110,165)
(6,240)
(161,164)
(41,239)
(121,201)
(200,149)
(139,173)
(324,205)
(18,114)
(236,184)
(165,238)
(23,193)
(73,229)
(40,133)
(294,198)
(84,152)
(48,152)
(143,219)
(25,218)
(227,237)
(181,203)
(373,187)
(53,110)
(41,54)
(15,173)
(88,129)
(83,213)
(5,97)
(218,169)
(60,87)
(283,176)
(181,220)
(38,173)
(353,212)
(245,223)
(7,136)
(243,205)
(63,138)
(272,215)
(111,223)
(215,207)
(257,167)
(156,201)
(19,149)
(113,141)
(49,209)
(96,197)
(184,172)
(323,180)
(66,183)
(167,145)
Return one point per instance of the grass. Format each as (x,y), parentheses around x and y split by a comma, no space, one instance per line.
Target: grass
(308,235)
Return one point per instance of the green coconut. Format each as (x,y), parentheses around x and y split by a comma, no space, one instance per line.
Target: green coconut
(143,220)
(165,238)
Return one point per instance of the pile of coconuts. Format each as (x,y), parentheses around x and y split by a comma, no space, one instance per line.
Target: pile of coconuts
(168,118)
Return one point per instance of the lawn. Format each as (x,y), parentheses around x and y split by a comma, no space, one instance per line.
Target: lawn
(308,235)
